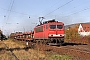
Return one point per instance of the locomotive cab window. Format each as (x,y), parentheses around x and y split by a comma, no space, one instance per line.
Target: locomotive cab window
(39,29)
(52,26)
(59,26)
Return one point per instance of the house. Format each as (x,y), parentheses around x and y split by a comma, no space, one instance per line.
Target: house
(84,29)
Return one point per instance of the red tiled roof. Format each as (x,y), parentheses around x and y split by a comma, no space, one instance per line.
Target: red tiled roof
(86,27)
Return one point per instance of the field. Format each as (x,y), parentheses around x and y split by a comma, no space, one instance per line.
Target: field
(27,54)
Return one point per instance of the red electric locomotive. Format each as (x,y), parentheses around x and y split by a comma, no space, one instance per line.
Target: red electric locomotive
(51,32)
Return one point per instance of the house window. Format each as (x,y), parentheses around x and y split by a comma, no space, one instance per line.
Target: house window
(81,30)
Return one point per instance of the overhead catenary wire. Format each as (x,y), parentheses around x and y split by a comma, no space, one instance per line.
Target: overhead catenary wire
(15,12)
(10,9)
(59,7)
(77,12)
(51,6)
(8,12)
(71,13)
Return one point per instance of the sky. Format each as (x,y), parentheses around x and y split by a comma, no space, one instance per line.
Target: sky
(23,15)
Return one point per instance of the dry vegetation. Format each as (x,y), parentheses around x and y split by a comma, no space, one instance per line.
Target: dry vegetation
(6,55)
(30,54)
(71,35)
(12,44)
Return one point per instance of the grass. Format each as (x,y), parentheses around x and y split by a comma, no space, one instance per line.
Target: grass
(6,56)
(59,57)
(51,56)
(12,44)
(30,54)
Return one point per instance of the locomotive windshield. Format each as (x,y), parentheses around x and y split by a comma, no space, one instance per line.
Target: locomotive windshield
(56,26)
(59,26)
(52,26)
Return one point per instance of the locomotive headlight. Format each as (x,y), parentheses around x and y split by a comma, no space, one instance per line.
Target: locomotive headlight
(56,35)
(62,34)
(50,35)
